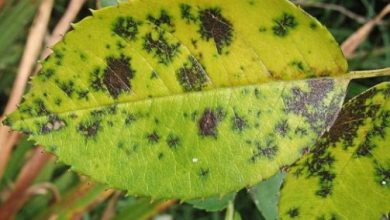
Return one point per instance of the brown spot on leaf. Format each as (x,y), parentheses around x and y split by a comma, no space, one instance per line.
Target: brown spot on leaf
(208,123)
(215,26)
(153,137)
(239,123)
(89,129)
(117,75)
(126,27)
(192,76)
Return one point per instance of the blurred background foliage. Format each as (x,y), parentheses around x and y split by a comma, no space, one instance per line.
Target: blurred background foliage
(63,194)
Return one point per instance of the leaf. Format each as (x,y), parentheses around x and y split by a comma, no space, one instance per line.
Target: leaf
(266,195)
(105,3)
(347,173)
(186,99)
(140,209)
(213,204)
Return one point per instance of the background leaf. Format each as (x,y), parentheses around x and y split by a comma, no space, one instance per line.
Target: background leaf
(347,173)
(213,204)
(266,196)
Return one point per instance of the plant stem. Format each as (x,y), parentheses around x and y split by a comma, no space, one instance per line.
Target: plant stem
(367,74)
(230,211)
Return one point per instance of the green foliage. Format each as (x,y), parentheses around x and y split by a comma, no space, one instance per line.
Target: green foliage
(266,195)
(347,173)
(213,204)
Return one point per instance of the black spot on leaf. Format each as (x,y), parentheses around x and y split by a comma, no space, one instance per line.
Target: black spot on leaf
(239,123)
(40,107)
(265,150)
(126,27)
(310,104)
(293,213)
(54,123)
(204,172)
(46,74)
(354,112)
(284,24)
(382,175)
(117,75)
(96,80)
(186,13)
(153,137)
(160,48)
(67,87)
(89,129)
(215,26)
(130,119)
(282,127)
(163,19)
(208,123)
(173,141)
(192,76)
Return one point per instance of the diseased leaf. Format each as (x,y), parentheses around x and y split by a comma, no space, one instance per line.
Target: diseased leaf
(186,99)
(265,195)
(347,174)
(213,204)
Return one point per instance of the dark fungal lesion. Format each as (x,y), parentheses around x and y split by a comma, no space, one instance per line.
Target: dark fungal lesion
(208,123)
(117,75)
(54,123)
(130,119)
(214,26)
(96,79)
(239,123)
(83,94)
(46,74)
(293,212)
(382,175)
(204,173)
(321,164)
(268,150)
(39,107)
(58,57)
(89,129)
(173,141)
(186,13)
(160,156)
(284,24)
(153,137)
(354,112)
(192,75)
(126,27)
(282,127)
(158,45)
(378,131)
(163,19)
(313,25)
(67,87)
(311,104)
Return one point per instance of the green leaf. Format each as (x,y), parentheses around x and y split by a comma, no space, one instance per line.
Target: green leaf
(140,209)
(105,3)
(213,204)
(186,99)
(347,173)
(265,195)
